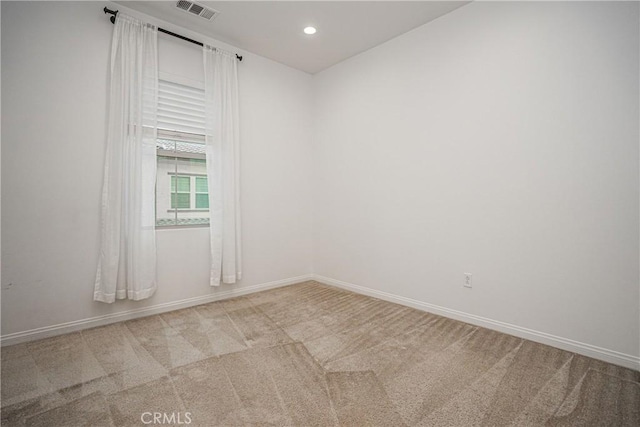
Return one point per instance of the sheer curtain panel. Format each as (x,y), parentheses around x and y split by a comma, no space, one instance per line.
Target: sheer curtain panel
(223,164)
(127,264)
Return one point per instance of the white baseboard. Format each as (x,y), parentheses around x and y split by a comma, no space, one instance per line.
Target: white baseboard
(611,356)
(63,328)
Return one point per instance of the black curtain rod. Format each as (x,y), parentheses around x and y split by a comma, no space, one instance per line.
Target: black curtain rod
(162,30)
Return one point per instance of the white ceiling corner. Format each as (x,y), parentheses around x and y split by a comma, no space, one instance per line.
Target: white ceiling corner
(273,29)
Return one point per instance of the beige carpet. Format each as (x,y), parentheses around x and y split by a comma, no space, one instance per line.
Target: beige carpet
(308,355)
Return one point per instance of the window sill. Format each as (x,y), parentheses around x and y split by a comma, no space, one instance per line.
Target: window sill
(182,223)
(181,227)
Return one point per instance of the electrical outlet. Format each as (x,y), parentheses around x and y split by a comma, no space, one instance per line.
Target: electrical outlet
(467,280)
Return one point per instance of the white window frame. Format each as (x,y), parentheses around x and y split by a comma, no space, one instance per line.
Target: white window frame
(182,137)
(192,191)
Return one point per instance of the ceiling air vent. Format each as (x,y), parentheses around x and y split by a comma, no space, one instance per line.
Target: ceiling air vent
(196,9)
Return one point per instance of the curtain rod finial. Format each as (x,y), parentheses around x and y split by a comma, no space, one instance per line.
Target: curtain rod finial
(112,12)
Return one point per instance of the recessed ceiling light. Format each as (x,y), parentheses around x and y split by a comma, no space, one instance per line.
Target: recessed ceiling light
(310,30)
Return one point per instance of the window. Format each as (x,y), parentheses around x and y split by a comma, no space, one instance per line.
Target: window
(202,193)
(180,192)
(182,196)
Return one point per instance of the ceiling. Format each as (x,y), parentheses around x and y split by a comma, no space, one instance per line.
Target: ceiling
(273,29)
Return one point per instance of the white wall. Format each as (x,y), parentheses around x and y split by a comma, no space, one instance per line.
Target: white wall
(499,140)
(54,80)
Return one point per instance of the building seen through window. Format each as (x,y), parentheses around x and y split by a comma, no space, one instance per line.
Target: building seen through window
(182,197)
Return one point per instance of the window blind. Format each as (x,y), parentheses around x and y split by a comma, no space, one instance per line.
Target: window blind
(180,109)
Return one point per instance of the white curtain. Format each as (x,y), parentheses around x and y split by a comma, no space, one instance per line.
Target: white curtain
(223,164)
(127,265)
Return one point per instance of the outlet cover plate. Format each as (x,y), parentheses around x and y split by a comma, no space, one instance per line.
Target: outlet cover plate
(467,280)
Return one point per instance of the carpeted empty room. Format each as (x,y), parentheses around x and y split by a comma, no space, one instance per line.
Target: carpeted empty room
(309,354)
(320,213)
